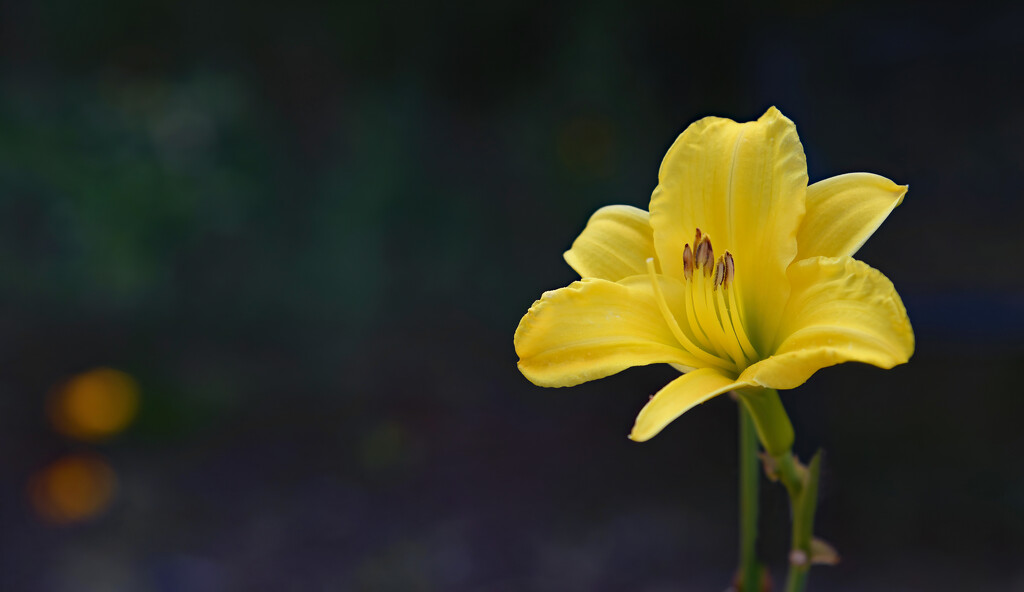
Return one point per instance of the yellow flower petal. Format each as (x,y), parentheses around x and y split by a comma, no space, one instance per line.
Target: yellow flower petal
(843,211)
(591,329)
(744,186)
(841,310)
(615,244)
(678,397)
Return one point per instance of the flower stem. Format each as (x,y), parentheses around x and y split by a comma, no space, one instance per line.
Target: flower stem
(802,485)
(750,473)
(775,432)
(797,579)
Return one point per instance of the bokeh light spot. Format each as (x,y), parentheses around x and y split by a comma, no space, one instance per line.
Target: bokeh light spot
(72,489)
(95,405)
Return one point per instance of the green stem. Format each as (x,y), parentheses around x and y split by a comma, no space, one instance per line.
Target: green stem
(792,475)
(776,434)
(802,485)
(797,579)
(750,470)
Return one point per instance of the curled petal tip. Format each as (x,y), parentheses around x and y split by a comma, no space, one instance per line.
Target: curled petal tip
(637,438)
(903,193)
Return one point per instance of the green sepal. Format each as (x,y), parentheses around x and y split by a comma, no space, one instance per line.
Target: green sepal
(773,426)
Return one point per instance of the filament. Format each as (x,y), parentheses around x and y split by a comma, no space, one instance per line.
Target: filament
(697,353)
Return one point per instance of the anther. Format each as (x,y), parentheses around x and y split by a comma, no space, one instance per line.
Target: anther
(704,255)
(730,270)
(719,273)
(696,240)
(687,263)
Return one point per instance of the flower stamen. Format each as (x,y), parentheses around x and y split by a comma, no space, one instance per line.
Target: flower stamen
(691,314)
(700,357)
(725,321)
(705,313)
(730,269)
(713,314)
(719,277)
(730,309)
(704,255)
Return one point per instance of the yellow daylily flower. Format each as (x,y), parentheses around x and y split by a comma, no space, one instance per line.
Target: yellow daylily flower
(740,276)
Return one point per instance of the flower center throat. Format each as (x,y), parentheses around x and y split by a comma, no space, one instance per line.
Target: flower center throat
(711,329)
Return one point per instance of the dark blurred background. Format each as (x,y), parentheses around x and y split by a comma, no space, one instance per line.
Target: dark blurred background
(261,263)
